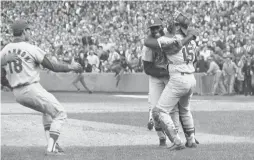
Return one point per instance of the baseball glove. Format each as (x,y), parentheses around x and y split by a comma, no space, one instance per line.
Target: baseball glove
(192,31)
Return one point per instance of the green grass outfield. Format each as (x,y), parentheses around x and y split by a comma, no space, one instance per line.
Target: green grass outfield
(104,126)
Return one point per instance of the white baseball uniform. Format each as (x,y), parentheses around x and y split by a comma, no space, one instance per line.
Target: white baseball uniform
(24,75)
(180,86)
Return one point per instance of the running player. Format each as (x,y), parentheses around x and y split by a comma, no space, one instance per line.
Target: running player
(22,72)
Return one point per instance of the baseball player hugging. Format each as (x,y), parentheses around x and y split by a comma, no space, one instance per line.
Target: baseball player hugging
(155,64)
(179,51)
(21,61)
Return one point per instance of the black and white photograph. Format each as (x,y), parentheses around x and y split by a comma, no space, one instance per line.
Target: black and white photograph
(127,80)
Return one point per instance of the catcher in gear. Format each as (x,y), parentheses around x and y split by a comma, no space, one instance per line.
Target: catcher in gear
(178,91)
(155,64)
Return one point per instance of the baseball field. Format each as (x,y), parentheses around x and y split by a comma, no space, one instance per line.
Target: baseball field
(113,127)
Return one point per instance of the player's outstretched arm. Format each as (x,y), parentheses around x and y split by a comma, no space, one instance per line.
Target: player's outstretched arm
(191,35)
(57,66)
(152,43)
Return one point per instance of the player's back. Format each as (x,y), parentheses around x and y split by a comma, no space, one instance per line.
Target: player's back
(25,70)
(182,61)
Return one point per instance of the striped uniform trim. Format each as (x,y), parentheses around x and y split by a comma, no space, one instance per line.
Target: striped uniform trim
(158,129)
(54,132)
(47,127)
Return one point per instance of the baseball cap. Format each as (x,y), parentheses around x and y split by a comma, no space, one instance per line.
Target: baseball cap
(19,26)
(154,22)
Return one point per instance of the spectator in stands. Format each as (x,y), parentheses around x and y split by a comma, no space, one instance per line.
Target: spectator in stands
(230,36)
(87,66)
(229,70)
(242,40)
(216,72)
(95,69)
(240,75)
(100,51)
(205,52)
(248,72)
(93,59)
(120,51)
(80,23)
(248,47)
(227,52)
(239,50)
(133,62)
(113,55)
(201,65)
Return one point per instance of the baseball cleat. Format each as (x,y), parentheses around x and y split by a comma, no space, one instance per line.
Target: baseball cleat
(197,142)
(150,125)
(163,143)
(176,147)
(191,142)
(58,148)
(191,145)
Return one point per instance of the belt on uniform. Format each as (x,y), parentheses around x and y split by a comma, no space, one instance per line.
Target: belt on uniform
(22,85)
(183,73)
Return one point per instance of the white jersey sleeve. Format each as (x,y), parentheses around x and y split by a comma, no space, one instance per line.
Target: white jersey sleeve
(147,54)
(38,55)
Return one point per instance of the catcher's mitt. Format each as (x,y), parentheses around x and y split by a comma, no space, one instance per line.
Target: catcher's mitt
(182,20)
(192,31)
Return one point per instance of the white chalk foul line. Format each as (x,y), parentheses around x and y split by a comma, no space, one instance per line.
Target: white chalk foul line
(146,97)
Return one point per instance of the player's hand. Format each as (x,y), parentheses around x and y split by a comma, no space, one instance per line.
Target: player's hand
(74,66)
(11,57)
(193,32)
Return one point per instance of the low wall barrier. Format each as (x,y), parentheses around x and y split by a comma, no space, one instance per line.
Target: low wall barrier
(106,82)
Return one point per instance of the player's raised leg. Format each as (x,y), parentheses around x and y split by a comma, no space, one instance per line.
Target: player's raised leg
(36,97)
(47,120)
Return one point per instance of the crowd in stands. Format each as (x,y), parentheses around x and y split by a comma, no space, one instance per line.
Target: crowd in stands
(105,32)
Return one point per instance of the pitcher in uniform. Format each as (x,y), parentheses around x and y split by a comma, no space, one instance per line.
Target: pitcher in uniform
(21,62)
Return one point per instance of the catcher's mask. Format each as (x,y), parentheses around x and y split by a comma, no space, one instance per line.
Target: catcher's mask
(182,21)
(156,27)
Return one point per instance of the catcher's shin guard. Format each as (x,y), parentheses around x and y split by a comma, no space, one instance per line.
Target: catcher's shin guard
(160,132)
(189,132)
(150,123)
(175,118)
(164,120)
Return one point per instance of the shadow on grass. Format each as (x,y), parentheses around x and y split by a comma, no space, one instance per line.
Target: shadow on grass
(203,152)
